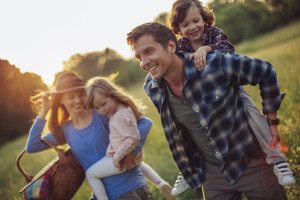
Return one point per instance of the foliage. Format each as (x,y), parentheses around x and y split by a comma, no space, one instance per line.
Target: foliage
(161,18)
(15,107)
(245,19)
(241,20)
(104,63)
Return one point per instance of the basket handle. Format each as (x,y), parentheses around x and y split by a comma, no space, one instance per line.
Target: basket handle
(27,177)
(59,151)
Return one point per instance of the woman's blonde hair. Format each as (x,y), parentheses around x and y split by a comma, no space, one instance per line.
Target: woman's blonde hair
(109,89)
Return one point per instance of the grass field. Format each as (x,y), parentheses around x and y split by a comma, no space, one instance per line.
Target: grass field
(281,48)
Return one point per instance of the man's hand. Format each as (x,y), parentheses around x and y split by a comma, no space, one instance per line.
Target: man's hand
(275,136)
(130,161)
(274,130)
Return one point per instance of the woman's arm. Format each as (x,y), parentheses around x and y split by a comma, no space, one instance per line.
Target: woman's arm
(144,127)
(34,141)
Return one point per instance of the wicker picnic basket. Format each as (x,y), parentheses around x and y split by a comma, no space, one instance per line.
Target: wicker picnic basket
(66,174)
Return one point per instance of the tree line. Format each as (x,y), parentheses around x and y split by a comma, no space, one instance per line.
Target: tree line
(16,110)
(245,19)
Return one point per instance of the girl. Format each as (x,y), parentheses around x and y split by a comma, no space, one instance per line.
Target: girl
(85,131)
(194,22)
(123,113)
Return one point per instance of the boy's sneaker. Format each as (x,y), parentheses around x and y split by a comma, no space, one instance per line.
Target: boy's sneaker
(165,189)
(284,174)
(180,185)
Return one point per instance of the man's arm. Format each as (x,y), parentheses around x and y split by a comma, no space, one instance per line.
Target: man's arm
(244,70)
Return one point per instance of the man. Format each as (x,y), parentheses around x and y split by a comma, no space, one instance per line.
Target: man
(203,115)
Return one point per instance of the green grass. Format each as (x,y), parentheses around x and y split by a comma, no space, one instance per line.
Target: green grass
(281,48)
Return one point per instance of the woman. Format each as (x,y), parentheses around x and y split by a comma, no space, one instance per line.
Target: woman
(86,132)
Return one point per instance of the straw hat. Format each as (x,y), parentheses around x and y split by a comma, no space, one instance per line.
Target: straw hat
(68,81)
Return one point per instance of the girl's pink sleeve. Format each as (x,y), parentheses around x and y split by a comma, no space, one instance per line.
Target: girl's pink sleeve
(126,126)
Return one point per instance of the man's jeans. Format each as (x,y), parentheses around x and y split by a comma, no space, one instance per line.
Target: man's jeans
(258,182)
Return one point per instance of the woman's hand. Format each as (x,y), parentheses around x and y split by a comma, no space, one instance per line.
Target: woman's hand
(47,102)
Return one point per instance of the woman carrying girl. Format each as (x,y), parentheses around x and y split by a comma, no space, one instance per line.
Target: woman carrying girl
(194,22)
(86,132)
(123,113)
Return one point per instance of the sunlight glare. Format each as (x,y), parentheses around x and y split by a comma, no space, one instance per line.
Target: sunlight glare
(40,35)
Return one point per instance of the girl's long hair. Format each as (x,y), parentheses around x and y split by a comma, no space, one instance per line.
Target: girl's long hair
(109,89)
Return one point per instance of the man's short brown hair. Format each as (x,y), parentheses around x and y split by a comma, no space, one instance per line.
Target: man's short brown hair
(160,33)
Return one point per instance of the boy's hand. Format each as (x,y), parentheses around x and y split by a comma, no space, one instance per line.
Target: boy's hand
(200,57)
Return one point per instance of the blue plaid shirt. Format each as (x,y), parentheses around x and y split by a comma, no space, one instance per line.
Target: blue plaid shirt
(212,36)
(213,94)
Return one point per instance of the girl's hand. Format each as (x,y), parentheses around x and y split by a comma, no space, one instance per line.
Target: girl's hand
(117,164)
(129,161)
(200,57)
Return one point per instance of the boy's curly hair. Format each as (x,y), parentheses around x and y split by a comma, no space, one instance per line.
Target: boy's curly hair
(180,9)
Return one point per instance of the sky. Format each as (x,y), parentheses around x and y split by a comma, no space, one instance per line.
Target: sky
(38,35)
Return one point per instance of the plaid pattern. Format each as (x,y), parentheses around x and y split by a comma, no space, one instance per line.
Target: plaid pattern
(213,37)
(214,96)
(39,189)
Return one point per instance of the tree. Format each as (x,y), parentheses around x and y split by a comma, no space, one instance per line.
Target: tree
(104,63)
(15,107)
(162,18)
(242,19)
